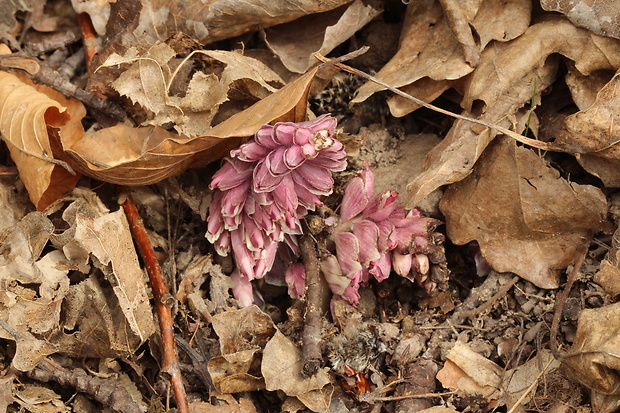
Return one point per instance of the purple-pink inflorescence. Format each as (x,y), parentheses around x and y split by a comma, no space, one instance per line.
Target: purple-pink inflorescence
(373,236)
(263,190)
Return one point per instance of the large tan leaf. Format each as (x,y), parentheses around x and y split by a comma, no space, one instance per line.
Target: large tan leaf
(28,114)
(433,46)
(506,62)
(600,17)
(296,42)
(526,218)
(139,156)
(143,22)
(453,158)
(591,134)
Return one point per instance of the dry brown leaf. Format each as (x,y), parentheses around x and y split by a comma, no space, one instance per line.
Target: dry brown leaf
(600,17)
(427,48)
(36,398)
(430,54)
(593,359)
(296,42)
(105,239)
(454,158)
(469,372)
(583,89)
(231,406)
(527,219)
(148,80)
(281,367)
(144,22)
(608,275)
(140,156)
(590,134)
(34,312)
(243,335)
(503,63)
(26,113)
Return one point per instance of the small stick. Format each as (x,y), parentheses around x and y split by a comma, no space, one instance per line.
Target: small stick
(89,38)
(561,300)
(491,300)
(162,297)
(312,356)
(520,138)
(107,391)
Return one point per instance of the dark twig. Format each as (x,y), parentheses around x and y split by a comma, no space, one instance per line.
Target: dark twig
(162,297)
(561,300)
(312,356)
(43,74)
(107,391)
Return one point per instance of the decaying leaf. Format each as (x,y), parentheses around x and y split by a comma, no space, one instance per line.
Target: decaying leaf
(593,359)
(526,218)
(470,372)
(296,42)
(454,157)
(144,22)
(281,367)
(34,313)
(243,335)
(600,17)
(590,134)
(608,275)
(232,406)
(26,113)
(139,156)
(104,239)
(150,75)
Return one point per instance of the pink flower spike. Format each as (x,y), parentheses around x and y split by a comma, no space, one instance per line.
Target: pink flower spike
(295,277)
(242,289)
(367,234)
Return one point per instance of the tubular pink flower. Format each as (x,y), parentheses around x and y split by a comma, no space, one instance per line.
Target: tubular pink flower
(263,190)
(374,235)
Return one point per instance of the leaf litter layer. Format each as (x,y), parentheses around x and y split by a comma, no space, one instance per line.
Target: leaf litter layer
(515,218)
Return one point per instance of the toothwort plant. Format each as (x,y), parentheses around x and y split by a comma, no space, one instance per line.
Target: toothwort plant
(263,190)
(272,181)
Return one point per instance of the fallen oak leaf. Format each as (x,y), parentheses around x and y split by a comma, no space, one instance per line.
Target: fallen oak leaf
(29,114)
(145,155)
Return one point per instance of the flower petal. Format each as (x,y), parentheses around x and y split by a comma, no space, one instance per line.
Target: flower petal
(348,252)
(294,156)
(367,234)
(284,132)
(402,263)
(381,268)
(251,151)
(264,181)
(295,277)
(242,289)
(275,162)
(355,199)
(265,137)
(333,275)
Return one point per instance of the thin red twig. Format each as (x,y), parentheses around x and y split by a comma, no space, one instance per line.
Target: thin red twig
(163,299)
(89,38)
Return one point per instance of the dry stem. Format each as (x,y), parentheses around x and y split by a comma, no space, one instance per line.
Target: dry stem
(162,297)
(312,356)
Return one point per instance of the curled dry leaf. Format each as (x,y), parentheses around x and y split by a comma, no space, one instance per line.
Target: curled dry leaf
(470,372)
(28,115)
(296,42)
(140,156)
(454,157)
(150,75)
(593,359)
(590,134)
(503,63)
(144,22)
(608,275)
(430,55)
(526,218)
